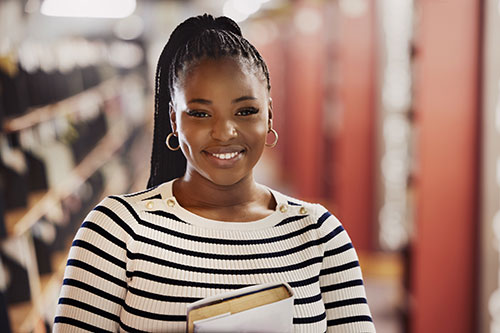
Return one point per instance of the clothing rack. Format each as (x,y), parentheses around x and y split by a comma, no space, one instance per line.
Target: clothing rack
(42,201)
(46,113)
(123,132)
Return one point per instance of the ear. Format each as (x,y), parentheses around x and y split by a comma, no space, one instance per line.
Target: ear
(173,120)
(270,113)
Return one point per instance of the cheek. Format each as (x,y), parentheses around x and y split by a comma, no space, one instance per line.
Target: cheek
(190,131)
(262,127)
(258,134)
(189,138)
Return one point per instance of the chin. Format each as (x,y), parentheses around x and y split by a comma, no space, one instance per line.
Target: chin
(225,178)
(224,181)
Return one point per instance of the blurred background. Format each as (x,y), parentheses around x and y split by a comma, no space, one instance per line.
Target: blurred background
(388,113)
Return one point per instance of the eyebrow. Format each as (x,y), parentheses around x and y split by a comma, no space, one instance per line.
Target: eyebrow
(234,101)
(243,98)
(200,101)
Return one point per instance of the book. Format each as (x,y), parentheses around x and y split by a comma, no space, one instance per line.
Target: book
(260,308)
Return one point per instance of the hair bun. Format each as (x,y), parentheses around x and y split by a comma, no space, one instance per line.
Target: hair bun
(196,25)
(225,23)
(207,22)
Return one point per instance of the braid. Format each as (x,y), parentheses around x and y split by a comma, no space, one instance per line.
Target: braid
(193,40)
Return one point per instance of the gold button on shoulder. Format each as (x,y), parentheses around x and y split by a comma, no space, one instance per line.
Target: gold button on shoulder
(170,203)
(150,205)
(303,210)
(283,208)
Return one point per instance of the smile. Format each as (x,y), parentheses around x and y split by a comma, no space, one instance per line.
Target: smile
(226,156)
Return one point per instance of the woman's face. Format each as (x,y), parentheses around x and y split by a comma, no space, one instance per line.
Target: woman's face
(222,113)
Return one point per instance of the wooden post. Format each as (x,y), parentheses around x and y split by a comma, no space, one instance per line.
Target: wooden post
(353,151)
(447,120)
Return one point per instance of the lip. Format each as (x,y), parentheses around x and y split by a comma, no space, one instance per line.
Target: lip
(224,163)
(224,149)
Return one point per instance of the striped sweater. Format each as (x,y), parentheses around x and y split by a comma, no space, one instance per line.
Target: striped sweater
(139,259)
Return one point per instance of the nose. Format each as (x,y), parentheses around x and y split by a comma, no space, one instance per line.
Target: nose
(223,130)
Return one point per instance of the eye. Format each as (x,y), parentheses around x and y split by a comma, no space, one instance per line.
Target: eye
(247,111)
(197,114)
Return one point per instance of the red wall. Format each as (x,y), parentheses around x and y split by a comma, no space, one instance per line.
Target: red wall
(354,149)
(447,120)
(306,56)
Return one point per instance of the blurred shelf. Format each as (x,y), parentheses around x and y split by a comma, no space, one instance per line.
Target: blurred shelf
(18,221)
(14,215)
(30,316)
(21,220)
(18,313)
(381,265)
(23,316)
(64,107)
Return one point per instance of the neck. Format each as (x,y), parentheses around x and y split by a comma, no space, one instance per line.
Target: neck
(193,190)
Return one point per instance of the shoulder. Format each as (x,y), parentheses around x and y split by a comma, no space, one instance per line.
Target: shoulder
(123,208)
(330,231)
(140,198)
(135,200)
(319,213)
(116,218)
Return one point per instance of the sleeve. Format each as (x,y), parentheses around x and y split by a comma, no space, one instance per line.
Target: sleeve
(95,282)
(341,281)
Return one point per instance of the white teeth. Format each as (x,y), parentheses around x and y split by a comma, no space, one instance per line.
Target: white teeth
(225,156)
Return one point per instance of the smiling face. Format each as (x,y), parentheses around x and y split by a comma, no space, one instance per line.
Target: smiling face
(222,113)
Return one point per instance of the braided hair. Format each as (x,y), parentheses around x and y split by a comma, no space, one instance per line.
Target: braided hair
(195,39)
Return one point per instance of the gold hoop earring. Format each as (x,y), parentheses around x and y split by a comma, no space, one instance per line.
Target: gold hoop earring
(167,142)
(271,145)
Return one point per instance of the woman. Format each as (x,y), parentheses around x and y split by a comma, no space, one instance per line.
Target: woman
(204,226)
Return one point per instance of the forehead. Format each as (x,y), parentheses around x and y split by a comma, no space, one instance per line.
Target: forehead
(227,76)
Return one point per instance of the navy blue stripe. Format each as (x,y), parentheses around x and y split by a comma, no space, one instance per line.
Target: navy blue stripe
(347,320)
(93,290)
(323,217)
(92,226)
(113,216)
(338,250)
(127,328)
(332,234)
(307,300)
(339,268)
(345,302)
(79,324)
(163,298)
(156,196)
(142,192)
(127,206)
(89,308)
(293,203)
(342,285)
(155,316)
(167,215)
(184,283)
(234,271)
(97,251)
(291,219)
(95,271)
(235,242)
(305,282)
(254,256)
(309,320)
